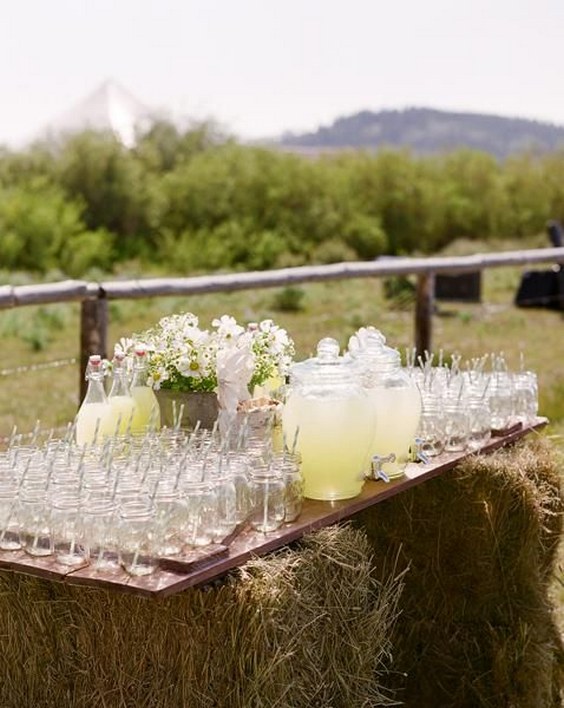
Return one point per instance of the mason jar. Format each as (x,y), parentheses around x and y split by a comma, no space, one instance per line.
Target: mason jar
(479,422)
(35,521)
(9,517)
(170,521)
(456,425)
(238,465)
(66,530)
(288,465)
(431,430)
(267,500)
(135,537)
(526,396)
(201,503)
(99,526)
(500,399)
(226,505)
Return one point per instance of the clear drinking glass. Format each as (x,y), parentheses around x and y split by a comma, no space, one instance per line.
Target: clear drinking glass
(135,534)
(479,419)
(238,465)
(66,529)
(267,500)
(456,426)
(201,501)
(9,521)
(526,399)
(431,431)
(99,527)
(35,521)
(288,466)
(500,399)
(170,522)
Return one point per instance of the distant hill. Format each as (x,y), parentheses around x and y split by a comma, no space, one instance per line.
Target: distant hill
(427,130)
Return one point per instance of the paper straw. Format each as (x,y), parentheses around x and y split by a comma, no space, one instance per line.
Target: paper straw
(118,424)
(265,507)
(295,441)
(96,431)
(12,438)
(129,423)
(81,468)
(35,433)
(178,420)
(153,418)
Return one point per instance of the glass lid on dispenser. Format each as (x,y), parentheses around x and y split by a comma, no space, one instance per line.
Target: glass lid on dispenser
(368,344)
(327,369)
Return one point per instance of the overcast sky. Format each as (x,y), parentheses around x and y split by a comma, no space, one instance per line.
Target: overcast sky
(261,67)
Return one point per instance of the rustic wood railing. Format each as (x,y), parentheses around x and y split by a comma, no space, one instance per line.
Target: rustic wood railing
(94,297)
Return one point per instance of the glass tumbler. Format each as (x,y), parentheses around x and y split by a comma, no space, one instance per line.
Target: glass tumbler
(35,521)
(9,518)
(431,431)
(66,529)
(526,397)
(226,509)
(267,491)
(456,426)
(238,464)
(289,467)
(170,520)
(479,418)
(99,526)
(500,399)
(201,501)
(135,537)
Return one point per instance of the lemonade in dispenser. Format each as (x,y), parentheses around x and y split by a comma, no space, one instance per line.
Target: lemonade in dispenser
(396,399)
(332,418)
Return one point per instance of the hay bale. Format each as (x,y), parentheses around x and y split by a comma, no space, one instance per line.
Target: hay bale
(305,627)
(477,627)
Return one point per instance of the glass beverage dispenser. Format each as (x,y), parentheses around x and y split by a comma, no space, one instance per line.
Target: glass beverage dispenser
(332,418)
(396,399)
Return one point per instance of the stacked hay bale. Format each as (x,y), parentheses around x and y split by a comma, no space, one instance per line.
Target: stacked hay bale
(479,545)
(306,627)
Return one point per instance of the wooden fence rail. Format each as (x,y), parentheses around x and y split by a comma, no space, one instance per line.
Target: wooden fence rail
(94,297)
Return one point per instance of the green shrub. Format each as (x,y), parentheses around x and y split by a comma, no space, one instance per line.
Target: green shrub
(87,250)
(36,221)
(289,299)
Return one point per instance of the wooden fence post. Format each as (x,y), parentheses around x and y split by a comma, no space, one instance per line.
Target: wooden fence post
(93,332)
(424,306)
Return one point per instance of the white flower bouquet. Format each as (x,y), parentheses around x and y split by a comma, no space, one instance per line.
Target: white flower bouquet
(186,358)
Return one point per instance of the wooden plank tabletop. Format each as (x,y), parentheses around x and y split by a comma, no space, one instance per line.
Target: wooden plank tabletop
(200,566)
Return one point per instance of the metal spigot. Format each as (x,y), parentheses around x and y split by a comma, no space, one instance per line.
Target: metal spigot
(417,452)
(376,471)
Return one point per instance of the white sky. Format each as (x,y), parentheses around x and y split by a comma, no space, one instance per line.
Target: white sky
(260,67)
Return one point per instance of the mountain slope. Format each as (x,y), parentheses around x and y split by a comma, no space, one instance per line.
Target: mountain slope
(426,130)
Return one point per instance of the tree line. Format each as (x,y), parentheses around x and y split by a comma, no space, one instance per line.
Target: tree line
(193,200)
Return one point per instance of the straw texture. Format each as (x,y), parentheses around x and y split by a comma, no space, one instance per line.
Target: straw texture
(477,627)
(305,627)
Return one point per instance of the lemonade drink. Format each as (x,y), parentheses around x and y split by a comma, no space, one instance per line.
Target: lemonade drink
(146,410)
(122,411)
(397,414)
(333,440)
(94,418)
(94,421)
